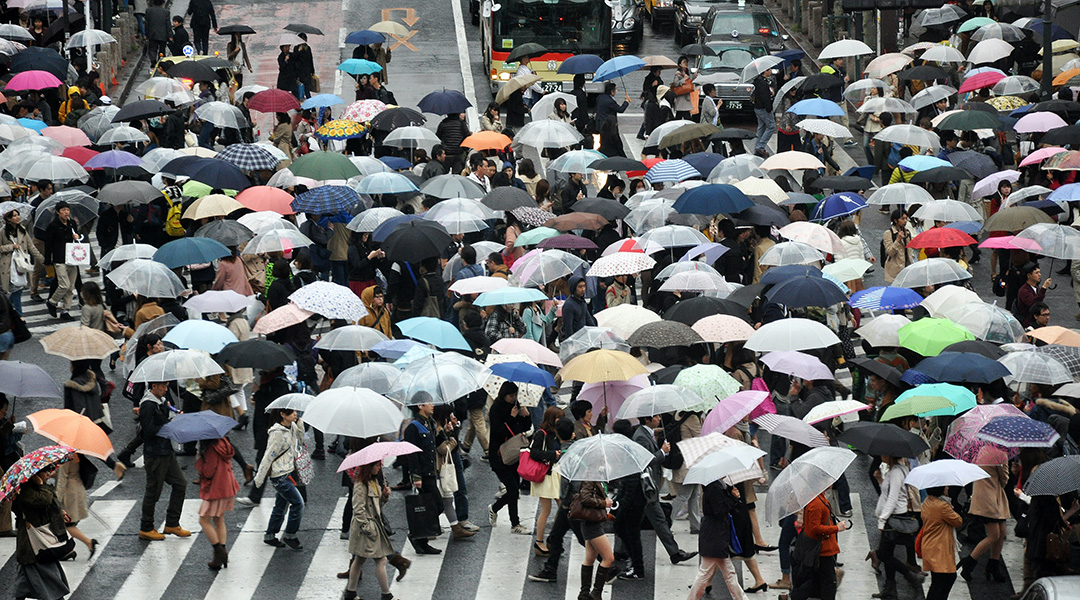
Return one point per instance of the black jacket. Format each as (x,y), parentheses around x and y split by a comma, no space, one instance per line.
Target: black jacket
(153,415)
(57,236)
(434,168)
(421,433)
(575,315)
(180,38)
(504,427)
(717,503)
(158,24)
(608,106)
(452,131)
(202,15)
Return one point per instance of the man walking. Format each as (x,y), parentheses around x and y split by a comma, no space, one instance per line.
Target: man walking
(161,466)
(157,31)
(62,231)
(645,437)
(179,37)
(762,97)
(203,20)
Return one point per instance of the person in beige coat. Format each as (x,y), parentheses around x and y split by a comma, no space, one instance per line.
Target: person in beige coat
(895,241)
(989,503)
(940,522)
(367,534)
(71,493)
(13,236)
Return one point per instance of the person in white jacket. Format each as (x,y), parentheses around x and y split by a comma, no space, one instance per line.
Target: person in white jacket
(893,513)
(286,438)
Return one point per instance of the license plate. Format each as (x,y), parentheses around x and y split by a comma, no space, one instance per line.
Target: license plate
(551,86)
(732,105)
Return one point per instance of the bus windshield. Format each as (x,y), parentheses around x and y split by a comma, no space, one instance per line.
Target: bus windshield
(559,25)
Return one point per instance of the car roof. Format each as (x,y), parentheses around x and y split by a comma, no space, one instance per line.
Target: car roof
(735,8)
(719,43)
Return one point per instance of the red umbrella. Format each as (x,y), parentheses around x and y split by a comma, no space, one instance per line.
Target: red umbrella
(273,101)
(648,162)
(79,154)
(982,80)
(264,198)
(941,237)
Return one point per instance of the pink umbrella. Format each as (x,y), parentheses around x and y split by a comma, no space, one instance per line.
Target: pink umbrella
(68,136)
(33,80)
(731,410)
(982,80)
(963,443)
(721,329)
(1010,242)
(798,364)
(612,394)
(1038,122)
(375,453)
(363,110)
(538,353)
(1040,155)
(280,318)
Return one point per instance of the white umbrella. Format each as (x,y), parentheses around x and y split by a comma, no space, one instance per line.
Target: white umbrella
(376,376)
(673,236)
(805,478)
(621,263)
(661,130)
(945,472)
(370,219)
(222,115)
(331,300)
(760,65)
(847,269)
(932,94)
(294,401)
(604,457)
(218,301)
(910,135)
(844,48)
(545,266)
(547,133)
(575,161)
(818,236)
(54,168)
(858,90)
(353,411)
(657,400)
(699,281)
(825,127)
(932,271)
(737,168)
(160,88)
(680,267)
(948,298)
(886,104)
(721,463)
(461,215)
(904,194)
(439,379)
(1001,31)
(411,137)
(175,365)
(791,253)
(478,285)
(158,158)
(792,160)
(265,220)
(949,211)
(125,253)
(881,331)
(1035,367)
(625,319)
(943,54)
(90,37)
(764,186)
(277,240)
(546,105)
(988,322)
(147,278)
(122,134)
(989,50)
(791,334)
(9,31)
(887,64)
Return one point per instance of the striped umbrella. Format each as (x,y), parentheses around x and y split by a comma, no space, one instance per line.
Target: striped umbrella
(674,170)
(1055,477)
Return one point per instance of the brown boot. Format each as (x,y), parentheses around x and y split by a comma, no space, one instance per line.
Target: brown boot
(400,563)
(601,580)
(219,559)
(460,532)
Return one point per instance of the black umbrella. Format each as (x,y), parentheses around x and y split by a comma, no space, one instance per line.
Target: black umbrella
(880,369)
(697,50)
(56,31)
(923,73)
(667,375)
(1054,477)
(760,215)
(256,354)
(618,163)
(192,69)
(940,175)
(1062,136)
(840,183)
(231,29)
(991,351)
(128,192)
(746,295)
(692,310)
(979,106)
(417,240)
(177,165)
(134,172)
(217,174)
(1067,109)
(806,290)
(392,118)
(507,197)
(962,367)
(605,207)
(884,439)
(301,28)
(732,133)
(664,334)
(142,109)
(820,83)
(229,233)
(524,51)
(40,59)
(978,164)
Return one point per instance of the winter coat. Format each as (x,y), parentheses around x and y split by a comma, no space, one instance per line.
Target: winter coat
(82,394)
(282,448)
(231,275)
(158,24)
(939,535)
(896,254)
(34,506)
(818,524)
(852,245)
(8,243)
(421,433)
(202,15)
(57,236)
(216,478)
(377,317)
(988,495)
(367,534)
(714,538)
(504,427)
(282,137)
(70,490)
(153,415)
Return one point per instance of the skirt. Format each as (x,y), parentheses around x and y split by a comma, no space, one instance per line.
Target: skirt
(46,581)
(216,508)
(548,488)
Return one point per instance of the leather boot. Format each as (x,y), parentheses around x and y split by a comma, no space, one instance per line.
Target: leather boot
(400,563)
(601,579)
(460,532)
(966,567)
(216,563)
(888,592)
(875,563)
(586,582)
(996,569)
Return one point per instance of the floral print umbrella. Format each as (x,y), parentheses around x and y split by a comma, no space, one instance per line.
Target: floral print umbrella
(363,110)
(962,441)
(341,129)
(29,465)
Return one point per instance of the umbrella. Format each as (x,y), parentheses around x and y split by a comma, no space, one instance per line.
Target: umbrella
(207,336)
(148,278)
(79,343)
(228,233)
(340,129)
(277,240)
(507,198)
(330,300)
(173,365)
(621,263)
(478,285)
(353,338)
(626,319)
(945,472)
(941,237)
(711,199)
(509,295)
(27,380)
(326,200)
(190,251)
(201,425)
(797,364)
(69,428)
(580,64)
(987,51)
(698,281)
(575,161)
(962,441)
(672,170)
(900,193)
(673,236)
(1055,241)
(280,318)
(1035,367)
(1055,334)
(882,330)
(825,127)
(884,439)
(486,140)
(1018,431)
(128,192)
(68,136)
(438,379)
(256,354)
(814,235)
(962,367)
(375,376)
(816,107)
(805,478)
(605,207)
(224,301)
(664,334)
(844,48)
(601,365)
(544,266)
(32,80)
(436,332)
(377,452)
(791,428)
(1055,477)
(325,165)
(959,399)
(273,101)
(847,269)
(460,215)
(988,322)
(838,205)
(921,406)
(930,336)
(590,338)
(931,271)
(709,382)
(806,291)
(353,411)
(370,219)
(604,457)
(523,372)
(415,241)
(722,463)
(43,458)
(791,334)
(731,410)
(721,329)
(612,394)
(1015,218)
(830,410)
(948,211)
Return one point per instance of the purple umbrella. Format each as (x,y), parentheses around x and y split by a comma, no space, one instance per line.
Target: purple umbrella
(731,410)
(1016,432)
(114,159)
(567,241)
(798,364)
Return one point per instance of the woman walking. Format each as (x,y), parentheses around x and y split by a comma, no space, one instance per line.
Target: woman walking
(71,493)
(507,419)
(588,511)
(897,523)
(545,448)
(217,489)
(367,534)
(714,540)
(286,437)
(940,522)
(14,238)
(35,505)
(990,505)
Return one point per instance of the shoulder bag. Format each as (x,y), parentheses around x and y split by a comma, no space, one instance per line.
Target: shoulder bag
(46,545)
(112,325)
(1057,548)
(580,512)
(447,479)
(510,450)
(303,468)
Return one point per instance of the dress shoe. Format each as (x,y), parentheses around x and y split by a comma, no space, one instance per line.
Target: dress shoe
(293,543)
(631,575)
(274,542)
(875,562)
(178,531)
(766,548)
(120,469)
(460,532)
(93,548)
(760,588)
(682,556)
(423,547)
(153,535)
(51,308)
(545,575)
(249,474)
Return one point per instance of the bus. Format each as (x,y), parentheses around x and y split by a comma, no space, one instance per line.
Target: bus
(564,27)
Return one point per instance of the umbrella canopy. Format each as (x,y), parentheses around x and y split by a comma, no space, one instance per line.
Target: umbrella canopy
(731,410)
(930,336)
(331,300)
(1018,432)
(277,240)
(79,343)
(256,354)
(438,379)
(945,472)
(207,336)
(353,411)
(1035,367)
(148,278)
(190,251)
(1055,241)
(626,319)
(959,399)
(43,458)
(797,364)
(988,322)
(711,199)
(961,441)
(1055,334)
(69,428)
(664,334)
(941,237)
(544,266)
(604,457)
(805,478)
(962,367)
(353,338)
(175,365)
(722,463)
(791,334)
(224,301)
(227,233)
(1055,477)
(830,410)
(417,240)
(721,329)
(814,235)
(376,376)
(621,263)
(806,291)
(602,365)
(436,332)
(26,380)
(657,400)
(377,452)
(201,425)
(709,382)
(591,338)
(884,439)
(1016,218)
(536,352)
(932,271)
(509,295)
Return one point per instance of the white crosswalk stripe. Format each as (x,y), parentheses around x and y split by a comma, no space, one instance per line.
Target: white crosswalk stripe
(161,560)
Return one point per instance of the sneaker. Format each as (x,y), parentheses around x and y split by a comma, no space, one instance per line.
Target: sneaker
(630,575)
(545,576)
(501,492)
(293,543)
(245,501)
(520,530)
(484,457)
(493,516)
(66,316)
(469,525)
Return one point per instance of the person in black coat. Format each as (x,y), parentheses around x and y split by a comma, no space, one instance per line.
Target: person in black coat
(430,286)
(304,65)
(575,313)
(179,37)
(580,114)
(507,419)
(718,502)
(607,105)
(421,433)
(286,78)
(157,30)
(203,20)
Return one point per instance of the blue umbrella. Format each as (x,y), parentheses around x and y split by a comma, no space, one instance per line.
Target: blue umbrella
(522,372)
(961,397)
(216,174)
(671,170)
(207,336)
(395,349)
(579,64)
(781,274)
(968,227)
(1048,206)
(712,199)
(1056,31)
(509,295)
(704,162)
(922,162)
(617,67)
(192,427)
(1015,432)
(444,102)
(962,367)
(33,124)
(326,200)
(322,101)
(359,66)
(190,251)
(790,55)
(915,378)
(806,291)
(436,332)
(1070,192)
(1021,111)
(838,205)
(865,172)
(396,163)
(114,159)
(388,226)
(385,183)
(885,298)
(817,107)
(365,37)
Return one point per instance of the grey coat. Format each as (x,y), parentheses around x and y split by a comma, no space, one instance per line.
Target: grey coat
(158,24)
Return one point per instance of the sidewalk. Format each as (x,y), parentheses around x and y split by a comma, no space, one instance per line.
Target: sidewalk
(137,70)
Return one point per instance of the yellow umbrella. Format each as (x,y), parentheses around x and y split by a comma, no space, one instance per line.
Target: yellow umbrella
(1009,103)
(214,205)
(599,366)
(516,83)
(69,428)
(79,343)
(390,27)
(340,129)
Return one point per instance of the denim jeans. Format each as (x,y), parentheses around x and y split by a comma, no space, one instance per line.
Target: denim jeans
(339,271)
(766,127)
(787,535)
(287,495)
(16,301)
(461,497)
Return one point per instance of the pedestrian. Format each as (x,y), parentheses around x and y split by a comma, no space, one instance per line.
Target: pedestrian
(157,31)
(16,246)
(231,275)
(1032,292)
(990,506)
(939,525)
(451,131)
(575,313)
(588,511)
(284,443)
(546,448)
(451,476)
(422,471)
(507,418)
(608,106)
(160,465)
(378,54)
(490,121)
(282,138)
(437,165)
(179,37)
(682,83)
(203,19)
(286,77)
(217,489)
(304,67)
(897,523)
(237,54)
(367,532)
(71,494)
(762,99)
(894,245)
(63,230)
(716,539)
(503,322)
(35,506)
(818,524)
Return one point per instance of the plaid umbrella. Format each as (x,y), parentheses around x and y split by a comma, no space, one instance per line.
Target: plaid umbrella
(30,464)
(272,101)
(79,343)
(1018,432)
(363,110)
(326,200)
(249,157)
(1068,356)
(341,129)
(1035,367)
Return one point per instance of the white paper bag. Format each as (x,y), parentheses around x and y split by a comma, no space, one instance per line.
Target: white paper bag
(77,254)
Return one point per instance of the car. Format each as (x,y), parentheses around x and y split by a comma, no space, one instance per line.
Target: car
(732,21)
(689,15)
(627,24)
(1054,588)
(725,71)
(660,12)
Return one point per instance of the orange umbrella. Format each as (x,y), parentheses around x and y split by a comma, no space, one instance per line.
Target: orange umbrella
(486,140)
(1064,78)
(1055,334)
(266,198)
(68,427)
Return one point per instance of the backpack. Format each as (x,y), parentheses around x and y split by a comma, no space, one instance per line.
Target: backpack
(173,226)
(431,303)
(72,118)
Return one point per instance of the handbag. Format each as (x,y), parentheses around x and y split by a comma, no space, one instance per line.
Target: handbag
(580,512)
(422,514)
(510,450)
(736,545)
(529,469)
(684,89)
(904,524)
(112,326)
(46,545)
(806,553)
(22,261)
(87,472)
(1057,548)
(447,478)
(303,468)
(17,278)
(918,543)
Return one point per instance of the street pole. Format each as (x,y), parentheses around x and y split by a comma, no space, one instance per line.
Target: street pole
(1048,51)
(89,25)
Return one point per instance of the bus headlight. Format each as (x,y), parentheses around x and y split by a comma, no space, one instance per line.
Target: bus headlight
(504,76)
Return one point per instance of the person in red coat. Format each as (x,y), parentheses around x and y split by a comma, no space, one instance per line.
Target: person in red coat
(1031,292)
(818,523)
(217,488)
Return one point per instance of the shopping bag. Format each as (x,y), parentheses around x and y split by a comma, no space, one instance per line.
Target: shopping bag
(77,254)
(422,513)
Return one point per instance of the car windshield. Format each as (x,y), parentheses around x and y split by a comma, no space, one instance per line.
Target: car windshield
(730,58)
(558,25)
(742,23)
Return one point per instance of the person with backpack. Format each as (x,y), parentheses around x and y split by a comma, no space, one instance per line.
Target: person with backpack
(74,102)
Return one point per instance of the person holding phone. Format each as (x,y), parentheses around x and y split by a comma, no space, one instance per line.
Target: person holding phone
(507,418)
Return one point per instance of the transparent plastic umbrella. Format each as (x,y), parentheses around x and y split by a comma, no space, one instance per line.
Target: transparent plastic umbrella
(206,336)
(949,211)
(932,94)
(159,325)
(460,215)
(376,376)
(673,236)
(54,168)
(684,267)
(370,219)
(222,115)
(546,133)
(175,365)
(125,253)
(122,134)
(591,338)
(1055,241)
(886,104)
(354,338)
(353,411)
(625,319)
(604,457)
(277,240)
(545,266)
(988,322)
(699,281)
(650,215)
(265,220)
(931,271)
(147,278)
(722,463)
(438,379)
(791,253)
(1035,367)
(737,168)
(575,161)
(805,478)
(294,401)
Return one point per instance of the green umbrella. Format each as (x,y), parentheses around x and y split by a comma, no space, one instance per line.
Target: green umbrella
(929,336)
(710,382)
(324,165)
(533,237)
(959,399)
(916,406)
(970,120)
(973,24)
(198,189)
